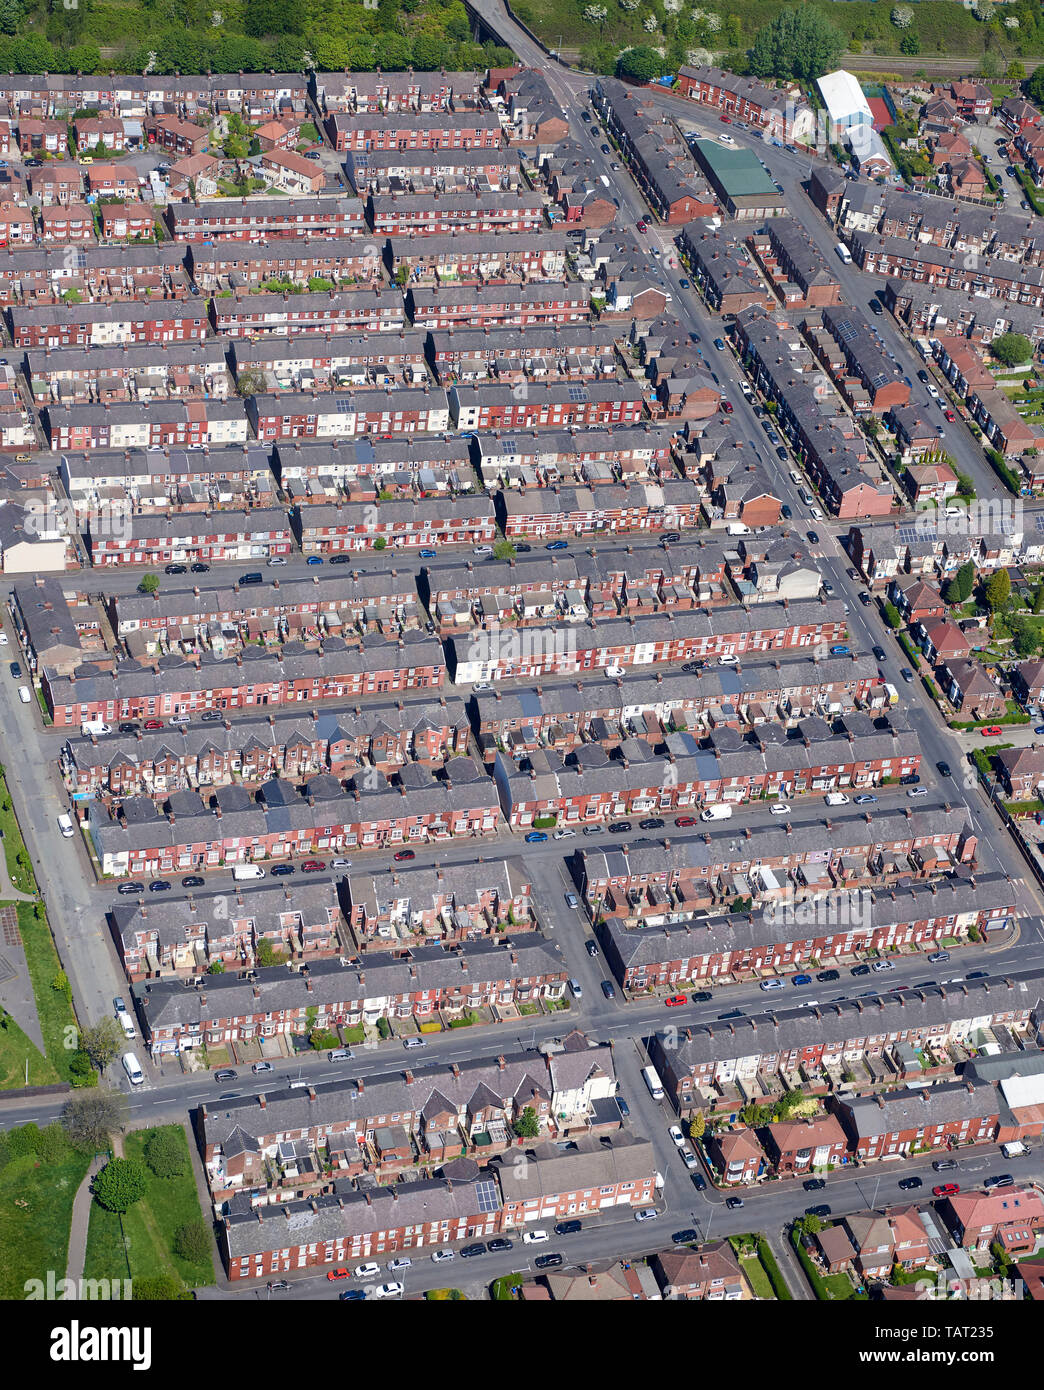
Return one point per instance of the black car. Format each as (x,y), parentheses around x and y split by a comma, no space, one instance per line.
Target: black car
(702,996)
(825,977)
(129,728)
(945,769)
(733,1202)
(692,668)
(620,827)
(977,974)
(699,1182)
(210,715)
(551,1261)
(909,779)
(864,598)
(340,559)
(281,870)
(821,1210)
(352,1295)
(879,653)
(860,970)
(785,512)
(607,989)
(623,1107)
(568,1228)
(470,1251)
(908,1184)
(670,537)
(652,823)
(606,149)
(160,886)
(199,568)
(523,547)
(592,949)
(875,306)
(923,376)
(499,1244)
(813,537)
(15,669)
(193,881)
(814,1184)
(684,1237)
(732,1013)
(175,569)
(130,888)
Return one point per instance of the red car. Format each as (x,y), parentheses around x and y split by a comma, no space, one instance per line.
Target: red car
(153,724)
(675,1001)
(949,416)
(404,854)
(338,1274)
(642,226)
(727,407)
(992,731)
(682,821)
(313,866)
(946,1189)
(725,120)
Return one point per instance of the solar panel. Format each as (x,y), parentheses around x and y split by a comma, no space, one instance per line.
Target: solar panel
(486,1192)
(344,405)
(578,393)
(508,446)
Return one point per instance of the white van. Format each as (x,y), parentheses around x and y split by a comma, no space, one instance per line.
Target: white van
(127,1024)
(23,695)
(133,1070)
(836,799)
(244,871)
(716,813)
(843,253)
(1015,1149)
(94,727)
(738,528)
(66,826)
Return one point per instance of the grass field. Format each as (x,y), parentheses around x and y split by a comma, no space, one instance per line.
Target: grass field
(52,1006)
(15,1050)
(34,1237)
(149,1227)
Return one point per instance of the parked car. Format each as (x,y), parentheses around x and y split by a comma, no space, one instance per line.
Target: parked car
(281,870)
(441,1256)
(991,731)
(193,881)
(549,1261)
(909,1184)
(946,1189)
(338,1274)
(620,827)
(392,1290)
(733,1202)
(879,653)
(767,985)
(161,885)
(469,1252)
(568,1228)
(865,799)
(652,823)
(499,1244)
(814,1184)
(535,837)
(675,1001)
(683,822)
(826,977)
(258,1068)
(646,1214)
(126,888)
(226,1074)
(702,996)
(405,854)
(821,1210)
(944,1165)
(313,866)
(779,808)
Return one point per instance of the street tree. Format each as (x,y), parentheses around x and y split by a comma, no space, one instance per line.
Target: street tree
(149,583)
(90,1120)
(102,1042)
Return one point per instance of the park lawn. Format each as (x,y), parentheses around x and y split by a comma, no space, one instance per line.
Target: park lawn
(15,1050)
(150,1227)
(172,1202)
(35,1238)
(22,879)
(502,1287)
(53,1007)
(754,1273)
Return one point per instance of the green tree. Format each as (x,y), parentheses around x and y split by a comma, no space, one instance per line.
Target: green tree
(910,43)
(1015,72)
(103,1042)
(504,550)
(998,590)
(965,486)
(697,1125)
(799,44)
(52,1145)
(149,584)
(1038,598)
(267,953)
(960,587)
(891,617)
(640,64)
(1035,84)
(90,1121)
(192,1242)
(121,1183)
(808,1225)
(380,543)
(1012,349)
(263,17)
(252,382)
(165,1153)
(989,66)
(527,1126)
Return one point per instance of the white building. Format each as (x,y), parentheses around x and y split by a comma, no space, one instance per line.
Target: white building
(844,100)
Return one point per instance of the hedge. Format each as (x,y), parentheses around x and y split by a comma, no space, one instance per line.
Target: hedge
(768,1263)
(996,461)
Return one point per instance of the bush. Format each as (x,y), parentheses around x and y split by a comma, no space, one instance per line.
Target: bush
(165,1153)
(768,1261)
(192,1242)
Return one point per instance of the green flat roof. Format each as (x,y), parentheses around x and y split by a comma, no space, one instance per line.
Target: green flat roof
(737,169)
